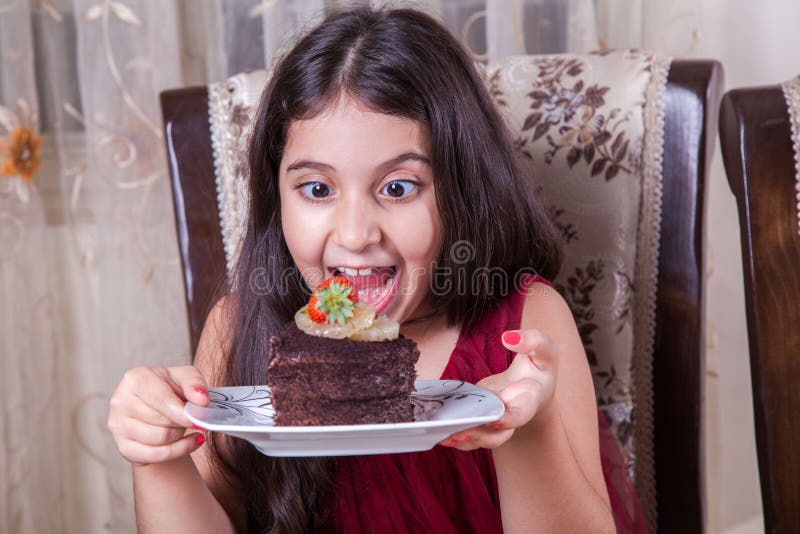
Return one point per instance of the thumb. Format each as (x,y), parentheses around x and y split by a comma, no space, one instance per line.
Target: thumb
(191,383)
(538,346)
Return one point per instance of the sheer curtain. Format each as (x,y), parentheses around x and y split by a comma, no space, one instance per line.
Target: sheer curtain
(88,259)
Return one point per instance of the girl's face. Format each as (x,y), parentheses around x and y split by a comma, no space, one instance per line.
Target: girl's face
(357,200)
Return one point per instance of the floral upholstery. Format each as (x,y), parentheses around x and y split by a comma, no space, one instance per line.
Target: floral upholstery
(791,91)
(590,129)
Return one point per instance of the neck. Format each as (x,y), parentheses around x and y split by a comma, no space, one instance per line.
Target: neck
(420,324)
(423,313)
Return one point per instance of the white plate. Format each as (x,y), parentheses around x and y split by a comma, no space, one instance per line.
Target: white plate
(441,407)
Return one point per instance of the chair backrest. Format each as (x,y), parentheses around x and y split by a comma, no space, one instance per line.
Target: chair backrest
(669,432)
(762,166)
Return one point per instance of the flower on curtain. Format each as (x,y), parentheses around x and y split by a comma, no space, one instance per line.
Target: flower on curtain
(20,147)
(20,153)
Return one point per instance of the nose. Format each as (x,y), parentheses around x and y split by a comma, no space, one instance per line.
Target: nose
(357,226)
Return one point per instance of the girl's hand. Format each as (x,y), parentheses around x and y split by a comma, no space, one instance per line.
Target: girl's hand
(146,416)
(526,388)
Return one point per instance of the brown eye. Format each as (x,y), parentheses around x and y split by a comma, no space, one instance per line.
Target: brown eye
(399,189)
(316,190)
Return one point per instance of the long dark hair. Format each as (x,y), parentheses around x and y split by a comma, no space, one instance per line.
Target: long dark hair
(404,63)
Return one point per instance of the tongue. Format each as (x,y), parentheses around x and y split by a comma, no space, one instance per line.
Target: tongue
(376,279)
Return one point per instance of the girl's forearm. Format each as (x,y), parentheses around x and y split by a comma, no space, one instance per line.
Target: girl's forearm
(173,497)
(542,487)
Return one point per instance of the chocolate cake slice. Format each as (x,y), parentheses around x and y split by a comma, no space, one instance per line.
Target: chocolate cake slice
(317,380)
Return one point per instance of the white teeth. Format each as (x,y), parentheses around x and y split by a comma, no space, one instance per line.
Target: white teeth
(366,271)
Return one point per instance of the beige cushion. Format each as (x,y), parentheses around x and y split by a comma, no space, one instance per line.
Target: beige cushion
(590,129)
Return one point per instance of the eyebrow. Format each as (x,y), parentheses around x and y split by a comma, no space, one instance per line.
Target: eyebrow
(385,166)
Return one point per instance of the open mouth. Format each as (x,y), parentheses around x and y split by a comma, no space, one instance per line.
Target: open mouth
(375,285)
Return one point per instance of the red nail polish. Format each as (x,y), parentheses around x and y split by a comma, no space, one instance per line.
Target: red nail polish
(201,390)
(199,439)
(511,338)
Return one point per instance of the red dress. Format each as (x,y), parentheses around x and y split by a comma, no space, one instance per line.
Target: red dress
(445,490)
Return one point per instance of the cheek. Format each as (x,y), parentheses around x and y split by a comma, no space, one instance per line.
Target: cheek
(303,237)
(418,236)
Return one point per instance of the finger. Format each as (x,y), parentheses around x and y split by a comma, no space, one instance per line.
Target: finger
(141,453)
(523,400)
(494,383)
(188,383)
(522,367)
(142,412)
(151,434)
(156,393)
(478,437)
(192,384)
(534,343)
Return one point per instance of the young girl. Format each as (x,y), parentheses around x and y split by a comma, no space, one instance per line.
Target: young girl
(376,146)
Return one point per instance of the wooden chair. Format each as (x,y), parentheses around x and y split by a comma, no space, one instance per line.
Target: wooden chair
(756,142)
(692,96)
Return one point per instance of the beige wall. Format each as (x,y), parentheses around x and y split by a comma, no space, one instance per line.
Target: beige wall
(758,44)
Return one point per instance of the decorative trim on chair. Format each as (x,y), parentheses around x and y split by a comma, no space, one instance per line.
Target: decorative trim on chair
(791,92)
(230,112)
(646,282)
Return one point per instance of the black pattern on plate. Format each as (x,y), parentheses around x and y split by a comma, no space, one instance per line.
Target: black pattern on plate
(255,401)
(425,405)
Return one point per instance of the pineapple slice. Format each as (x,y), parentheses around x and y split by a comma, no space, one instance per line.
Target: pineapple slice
(363,318)
(382,329)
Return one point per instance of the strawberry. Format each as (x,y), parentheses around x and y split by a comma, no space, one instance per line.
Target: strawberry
(315,315)
(333,301)
(341,280)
